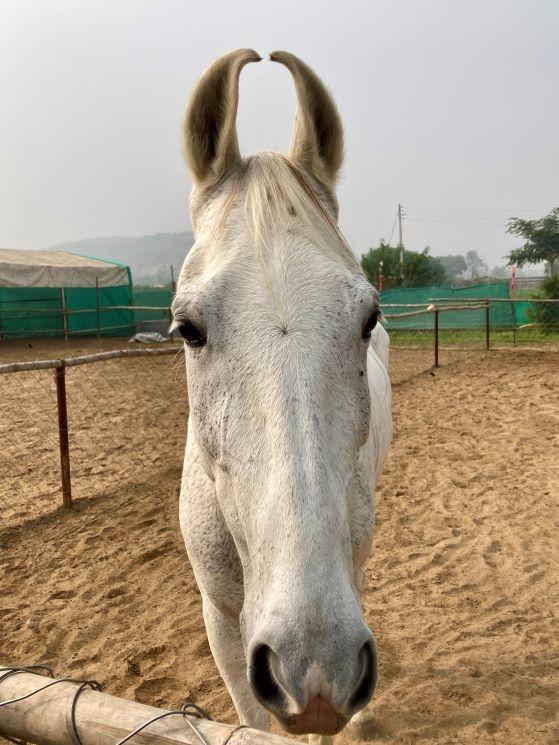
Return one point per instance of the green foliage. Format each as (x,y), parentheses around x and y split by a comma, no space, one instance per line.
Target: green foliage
(390,258)
(542,240)
(550,287)
(547,314)
(453,265)
(420,269)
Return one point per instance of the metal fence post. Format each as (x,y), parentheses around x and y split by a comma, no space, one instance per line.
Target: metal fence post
(60,376)
(487,307)
(436,327)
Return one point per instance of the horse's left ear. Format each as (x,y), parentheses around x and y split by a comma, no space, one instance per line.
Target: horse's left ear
(318,141)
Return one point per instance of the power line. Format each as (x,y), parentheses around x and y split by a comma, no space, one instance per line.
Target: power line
(477,210)
(393,227)
(480,216)
(463,221)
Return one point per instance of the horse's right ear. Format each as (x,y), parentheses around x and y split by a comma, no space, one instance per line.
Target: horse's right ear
(211,147)
(317,143)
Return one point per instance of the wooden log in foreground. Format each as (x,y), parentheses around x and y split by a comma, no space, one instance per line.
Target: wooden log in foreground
(44,718)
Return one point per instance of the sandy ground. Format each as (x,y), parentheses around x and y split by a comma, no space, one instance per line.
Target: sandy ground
(463,583)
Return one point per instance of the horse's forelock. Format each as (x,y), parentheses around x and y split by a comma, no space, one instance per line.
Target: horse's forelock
(275,197)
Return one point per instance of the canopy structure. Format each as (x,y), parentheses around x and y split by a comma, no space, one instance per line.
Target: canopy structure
(58,269)
(52,293)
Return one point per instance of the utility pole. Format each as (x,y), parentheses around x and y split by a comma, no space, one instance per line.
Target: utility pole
(400,242)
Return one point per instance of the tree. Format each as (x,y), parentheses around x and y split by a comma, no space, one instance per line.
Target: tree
(390,258)
(453,265)
(542,240)
(547,314)
(500,272)
(475,265)
(420,269)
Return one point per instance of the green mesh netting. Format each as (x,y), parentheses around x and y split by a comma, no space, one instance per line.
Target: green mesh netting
(27,312)
(153,297)
(502,314)
(37,311)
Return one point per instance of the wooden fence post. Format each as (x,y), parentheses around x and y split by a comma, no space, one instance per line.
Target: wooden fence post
(173,290)
(170,324)
(60,376)
(98,311)
(64,313)
(487,307)
(436,326)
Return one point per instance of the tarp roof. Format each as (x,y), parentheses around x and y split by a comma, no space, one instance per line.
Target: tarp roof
(22,268)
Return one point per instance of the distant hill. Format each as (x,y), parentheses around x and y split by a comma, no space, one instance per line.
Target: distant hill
(148,256)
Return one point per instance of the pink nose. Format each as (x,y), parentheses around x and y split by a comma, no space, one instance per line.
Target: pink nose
(319,718)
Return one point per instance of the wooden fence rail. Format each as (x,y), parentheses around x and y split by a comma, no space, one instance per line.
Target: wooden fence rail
(59,366)
(44,718)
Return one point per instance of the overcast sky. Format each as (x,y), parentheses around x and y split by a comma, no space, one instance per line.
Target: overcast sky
(450,108)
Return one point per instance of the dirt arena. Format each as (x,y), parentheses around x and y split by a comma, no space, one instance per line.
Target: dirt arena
(463,583)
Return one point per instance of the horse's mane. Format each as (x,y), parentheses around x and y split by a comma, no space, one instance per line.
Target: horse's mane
(276,197)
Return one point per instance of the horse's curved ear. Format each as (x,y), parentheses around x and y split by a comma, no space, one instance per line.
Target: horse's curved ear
(317,143)
(210,140)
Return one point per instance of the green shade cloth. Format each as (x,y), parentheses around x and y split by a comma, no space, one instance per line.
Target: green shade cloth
(155,297)
(501,315)
(29,311)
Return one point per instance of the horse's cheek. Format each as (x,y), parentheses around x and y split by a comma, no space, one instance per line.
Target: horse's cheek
(363,415)
(205,415)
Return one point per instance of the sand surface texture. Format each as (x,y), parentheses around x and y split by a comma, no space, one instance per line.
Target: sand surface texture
(463,583)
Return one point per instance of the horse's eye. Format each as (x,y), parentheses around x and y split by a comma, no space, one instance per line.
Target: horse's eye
(371,323)
(192,335)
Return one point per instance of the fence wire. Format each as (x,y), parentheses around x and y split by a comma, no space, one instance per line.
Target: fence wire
(468,328)
(118,410)
(187,709)
(421,339)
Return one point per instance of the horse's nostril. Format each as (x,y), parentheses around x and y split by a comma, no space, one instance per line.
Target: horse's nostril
(368,678)
(262,680)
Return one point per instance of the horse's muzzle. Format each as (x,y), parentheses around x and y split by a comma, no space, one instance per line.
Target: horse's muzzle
(300,707)
(319,718)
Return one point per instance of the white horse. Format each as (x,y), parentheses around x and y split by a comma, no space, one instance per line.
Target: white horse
(289,411)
